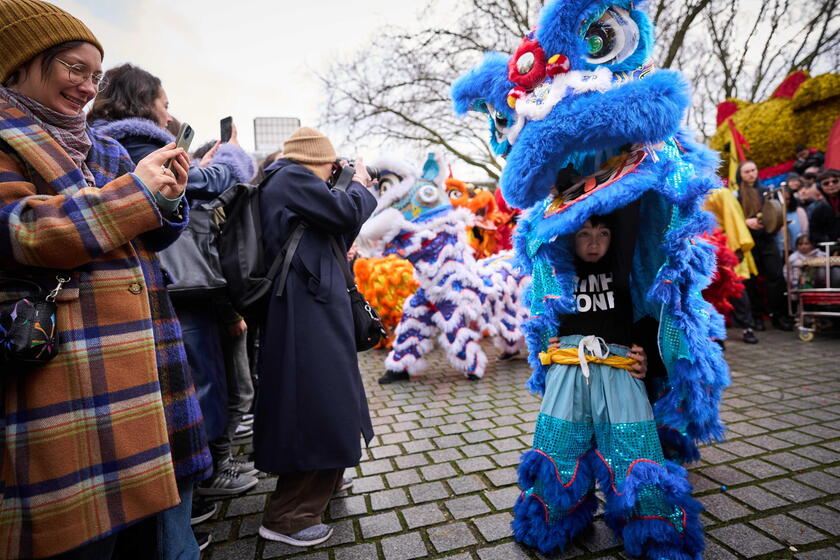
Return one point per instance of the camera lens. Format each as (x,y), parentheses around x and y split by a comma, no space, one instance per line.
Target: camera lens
(374,172)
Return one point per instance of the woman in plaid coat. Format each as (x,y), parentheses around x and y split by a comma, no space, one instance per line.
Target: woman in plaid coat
(93,440)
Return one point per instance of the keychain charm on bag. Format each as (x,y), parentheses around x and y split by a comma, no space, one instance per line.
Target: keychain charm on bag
(28,330)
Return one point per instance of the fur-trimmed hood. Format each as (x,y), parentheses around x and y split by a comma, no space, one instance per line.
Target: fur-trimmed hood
(233,157)
(125,128)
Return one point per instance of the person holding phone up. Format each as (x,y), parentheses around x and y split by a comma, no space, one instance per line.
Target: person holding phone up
(118,398)
(134,110)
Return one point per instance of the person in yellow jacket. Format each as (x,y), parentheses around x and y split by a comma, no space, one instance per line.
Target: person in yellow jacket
(730,218)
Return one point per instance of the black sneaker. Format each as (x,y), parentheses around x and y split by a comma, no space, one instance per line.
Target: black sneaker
(203,539)
(506,356)
(202,510)
(749,337)
(783,323)
(393,377)
(227,482)
(473,377)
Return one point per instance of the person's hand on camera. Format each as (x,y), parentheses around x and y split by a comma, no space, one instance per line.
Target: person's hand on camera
(361,175)
(154,174)
(754,223)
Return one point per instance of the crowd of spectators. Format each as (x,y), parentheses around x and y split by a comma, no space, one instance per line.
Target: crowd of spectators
(128,427)
(811,197)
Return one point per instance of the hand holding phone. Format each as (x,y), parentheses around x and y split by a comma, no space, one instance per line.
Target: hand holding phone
(184,139)
(226,129)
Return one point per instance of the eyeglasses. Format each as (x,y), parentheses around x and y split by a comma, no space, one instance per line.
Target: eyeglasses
(78,74)
(831,181)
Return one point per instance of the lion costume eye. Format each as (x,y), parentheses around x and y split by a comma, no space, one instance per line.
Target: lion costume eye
(613,38)
(386,182)
(428,195)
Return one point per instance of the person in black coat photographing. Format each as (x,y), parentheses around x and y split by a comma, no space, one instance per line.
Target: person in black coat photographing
(311,407)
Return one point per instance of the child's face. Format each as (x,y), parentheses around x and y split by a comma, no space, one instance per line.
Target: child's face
(592,243)
(805,246)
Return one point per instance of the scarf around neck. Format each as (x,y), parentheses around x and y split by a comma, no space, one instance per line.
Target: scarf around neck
(69,131)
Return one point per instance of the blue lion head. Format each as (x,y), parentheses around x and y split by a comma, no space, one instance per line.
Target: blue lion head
(578,90)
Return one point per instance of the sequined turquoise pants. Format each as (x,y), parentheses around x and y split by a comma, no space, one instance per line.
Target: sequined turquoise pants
(601,430)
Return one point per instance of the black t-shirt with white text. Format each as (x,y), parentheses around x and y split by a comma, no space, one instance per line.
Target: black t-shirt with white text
(604,305)
(602,291)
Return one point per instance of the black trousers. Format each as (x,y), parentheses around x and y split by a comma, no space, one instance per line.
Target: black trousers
(768,260)
(742,311)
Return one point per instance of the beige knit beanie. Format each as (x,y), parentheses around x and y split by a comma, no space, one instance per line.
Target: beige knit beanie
(307,145)
(29,27)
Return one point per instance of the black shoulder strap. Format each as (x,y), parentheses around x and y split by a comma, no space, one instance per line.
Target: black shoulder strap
(343,264)
(285,256)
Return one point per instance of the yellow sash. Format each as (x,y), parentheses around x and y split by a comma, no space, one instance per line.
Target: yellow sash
(569,356)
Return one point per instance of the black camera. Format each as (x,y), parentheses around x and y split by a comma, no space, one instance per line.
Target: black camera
(374,172)
(343,172)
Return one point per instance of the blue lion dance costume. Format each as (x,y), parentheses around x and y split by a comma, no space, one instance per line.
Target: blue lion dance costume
(580,99)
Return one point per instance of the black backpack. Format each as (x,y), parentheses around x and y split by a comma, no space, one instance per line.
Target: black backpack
(249,277)
(191,263)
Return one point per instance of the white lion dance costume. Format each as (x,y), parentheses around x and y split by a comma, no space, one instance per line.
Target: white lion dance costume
(459,297)
(589,128)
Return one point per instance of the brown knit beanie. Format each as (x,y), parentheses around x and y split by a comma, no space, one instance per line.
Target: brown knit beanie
(29,27)
(307,145)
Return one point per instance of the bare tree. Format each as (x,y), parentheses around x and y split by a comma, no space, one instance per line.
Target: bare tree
(744,49)
(397,89)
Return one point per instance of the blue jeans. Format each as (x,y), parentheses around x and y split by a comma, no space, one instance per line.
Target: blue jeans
(176,540)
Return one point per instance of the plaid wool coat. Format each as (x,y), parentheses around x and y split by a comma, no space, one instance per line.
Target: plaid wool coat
(93,440)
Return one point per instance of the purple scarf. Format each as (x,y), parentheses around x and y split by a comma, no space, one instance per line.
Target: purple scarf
(70,131)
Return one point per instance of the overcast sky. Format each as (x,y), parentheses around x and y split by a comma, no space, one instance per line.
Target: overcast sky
(244,58)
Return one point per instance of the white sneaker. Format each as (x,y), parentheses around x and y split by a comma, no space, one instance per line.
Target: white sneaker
(306,537)
(346,484)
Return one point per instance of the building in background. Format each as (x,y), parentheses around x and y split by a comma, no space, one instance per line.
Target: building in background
(271,132)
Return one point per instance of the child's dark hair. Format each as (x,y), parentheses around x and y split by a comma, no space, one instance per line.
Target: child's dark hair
(603,221)
(804,237)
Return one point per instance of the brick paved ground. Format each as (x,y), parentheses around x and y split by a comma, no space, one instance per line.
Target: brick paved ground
(439,478)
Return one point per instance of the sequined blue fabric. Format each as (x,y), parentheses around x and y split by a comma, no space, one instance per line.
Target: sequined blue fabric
(565,442)
(619,445)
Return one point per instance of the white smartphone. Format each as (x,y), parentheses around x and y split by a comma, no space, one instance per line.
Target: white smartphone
(184,139)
